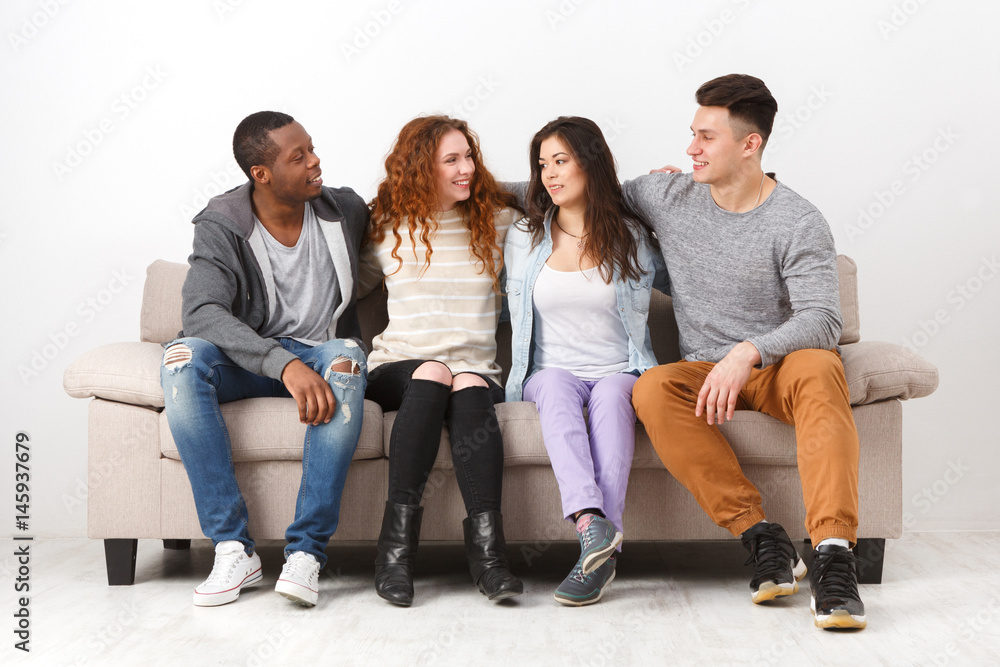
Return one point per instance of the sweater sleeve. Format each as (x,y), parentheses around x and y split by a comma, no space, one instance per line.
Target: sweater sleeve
(519,190)
(369,271)
(809,271)
(209,291)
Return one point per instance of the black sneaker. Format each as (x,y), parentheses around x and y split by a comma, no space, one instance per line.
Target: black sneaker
(579,589)
(777,567)
(835,599)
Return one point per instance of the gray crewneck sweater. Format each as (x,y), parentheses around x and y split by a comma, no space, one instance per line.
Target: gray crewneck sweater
(767,276)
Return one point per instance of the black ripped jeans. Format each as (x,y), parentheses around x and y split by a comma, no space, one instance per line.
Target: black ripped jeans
(423,407)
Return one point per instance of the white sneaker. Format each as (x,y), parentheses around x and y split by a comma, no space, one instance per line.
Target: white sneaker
(233,571)
(299,580)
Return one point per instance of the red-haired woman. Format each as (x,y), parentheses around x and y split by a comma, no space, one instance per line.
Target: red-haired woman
(438,223)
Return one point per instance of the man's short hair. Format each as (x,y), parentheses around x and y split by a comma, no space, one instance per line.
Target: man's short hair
(751,106)
(252,143)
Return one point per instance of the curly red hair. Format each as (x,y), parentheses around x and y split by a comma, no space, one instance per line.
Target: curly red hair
(409,193)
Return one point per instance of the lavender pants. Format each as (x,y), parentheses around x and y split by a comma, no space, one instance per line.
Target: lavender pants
(591,468)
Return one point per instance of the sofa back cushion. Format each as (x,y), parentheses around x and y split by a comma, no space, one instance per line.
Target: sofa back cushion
(161,312)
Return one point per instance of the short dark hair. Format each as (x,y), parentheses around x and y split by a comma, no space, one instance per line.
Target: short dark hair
(751,106)
(252,143)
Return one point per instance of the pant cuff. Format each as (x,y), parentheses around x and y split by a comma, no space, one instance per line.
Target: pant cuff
(843,532)
(741,524)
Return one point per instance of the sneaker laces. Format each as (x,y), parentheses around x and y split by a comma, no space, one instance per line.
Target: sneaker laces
(578,575)
(302,566)
(771,553)
(223,568)
(836,573)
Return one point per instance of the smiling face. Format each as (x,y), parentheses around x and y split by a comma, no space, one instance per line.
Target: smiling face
(716,152)
(454,167)
(562,176)
(295,175)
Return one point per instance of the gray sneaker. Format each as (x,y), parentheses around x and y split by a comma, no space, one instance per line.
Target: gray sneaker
(579,589)
(598,539)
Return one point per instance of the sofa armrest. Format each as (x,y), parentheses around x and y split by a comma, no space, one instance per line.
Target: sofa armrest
(878,371)
(122,372)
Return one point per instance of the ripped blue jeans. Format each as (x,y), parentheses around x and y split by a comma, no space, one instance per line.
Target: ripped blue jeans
(193,387)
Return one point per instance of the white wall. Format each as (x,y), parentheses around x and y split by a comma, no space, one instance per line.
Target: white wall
(150,93)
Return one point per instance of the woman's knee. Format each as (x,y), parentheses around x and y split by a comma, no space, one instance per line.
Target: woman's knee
(434,371)
(466,380)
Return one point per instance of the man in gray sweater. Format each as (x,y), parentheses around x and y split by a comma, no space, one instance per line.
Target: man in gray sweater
(753,278)
(269,310)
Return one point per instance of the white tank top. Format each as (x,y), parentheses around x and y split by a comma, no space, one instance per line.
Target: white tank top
(577,325)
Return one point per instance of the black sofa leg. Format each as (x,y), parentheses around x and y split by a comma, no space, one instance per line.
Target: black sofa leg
(871,556)
(120,558)
(870,552)
(176,544)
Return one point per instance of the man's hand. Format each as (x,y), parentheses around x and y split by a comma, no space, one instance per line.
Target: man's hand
(310,391)
(723,384)
(668,169)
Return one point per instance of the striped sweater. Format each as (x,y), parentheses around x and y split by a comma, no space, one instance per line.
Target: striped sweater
(447,311)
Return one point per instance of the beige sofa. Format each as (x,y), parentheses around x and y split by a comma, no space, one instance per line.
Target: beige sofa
(137,487)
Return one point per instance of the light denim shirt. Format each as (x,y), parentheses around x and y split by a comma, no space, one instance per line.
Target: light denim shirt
(523,263)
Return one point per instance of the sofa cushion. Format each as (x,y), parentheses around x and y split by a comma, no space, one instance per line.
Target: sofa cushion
(268,429)
(160,319)
(877,371)
(756,438)
(847,272)
(122,372)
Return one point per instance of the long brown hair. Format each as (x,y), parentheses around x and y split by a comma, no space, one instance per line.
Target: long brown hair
(610,222)
(409,193)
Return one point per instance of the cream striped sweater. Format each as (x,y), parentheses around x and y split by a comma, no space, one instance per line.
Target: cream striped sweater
(449,312)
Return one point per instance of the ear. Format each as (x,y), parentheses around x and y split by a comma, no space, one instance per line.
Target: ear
(260,174)
(752,143)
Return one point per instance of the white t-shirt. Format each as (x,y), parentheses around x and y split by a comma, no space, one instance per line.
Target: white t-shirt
(577,325)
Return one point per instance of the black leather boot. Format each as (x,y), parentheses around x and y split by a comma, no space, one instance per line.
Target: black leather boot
(397,545)
(487,552)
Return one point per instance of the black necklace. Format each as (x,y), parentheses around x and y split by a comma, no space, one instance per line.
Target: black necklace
(579,239)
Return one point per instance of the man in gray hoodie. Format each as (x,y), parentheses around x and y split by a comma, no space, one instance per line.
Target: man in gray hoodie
(753,277)
(269,309)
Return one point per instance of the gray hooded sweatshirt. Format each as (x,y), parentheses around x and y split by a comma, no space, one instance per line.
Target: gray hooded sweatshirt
(229,296)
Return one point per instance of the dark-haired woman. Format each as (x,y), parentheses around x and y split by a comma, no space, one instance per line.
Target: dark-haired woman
(438,223)
(580,269)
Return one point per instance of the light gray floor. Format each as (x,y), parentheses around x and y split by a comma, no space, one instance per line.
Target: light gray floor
(672,603)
